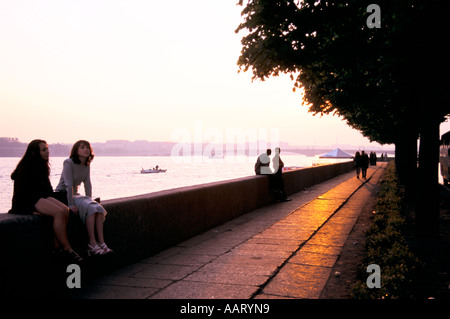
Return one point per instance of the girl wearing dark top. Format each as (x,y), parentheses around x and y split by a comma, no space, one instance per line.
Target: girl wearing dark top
(33,191)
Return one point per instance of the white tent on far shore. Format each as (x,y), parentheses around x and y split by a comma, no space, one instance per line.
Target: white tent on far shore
(337,153)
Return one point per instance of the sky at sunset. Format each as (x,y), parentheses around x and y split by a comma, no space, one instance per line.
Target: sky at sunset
(141,70)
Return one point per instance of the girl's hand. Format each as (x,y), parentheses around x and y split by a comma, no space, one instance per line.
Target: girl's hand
(74,209)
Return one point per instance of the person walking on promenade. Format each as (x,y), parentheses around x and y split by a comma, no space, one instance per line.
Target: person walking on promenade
(357,163)
(262,163)
(278,178)
(364,164)
(76,170)
(33,195)
(373,158)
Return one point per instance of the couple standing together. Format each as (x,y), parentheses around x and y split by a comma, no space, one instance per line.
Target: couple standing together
(361,162)
(262,167)
(33,194)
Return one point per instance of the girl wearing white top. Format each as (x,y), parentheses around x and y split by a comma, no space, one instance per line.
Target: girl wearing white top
(76,170)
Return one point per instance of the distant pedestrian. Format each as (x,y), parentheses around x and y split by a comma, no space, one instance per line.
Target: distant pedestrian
(364,164)
(357,163)
(373,158)
(262,165)
(278,178)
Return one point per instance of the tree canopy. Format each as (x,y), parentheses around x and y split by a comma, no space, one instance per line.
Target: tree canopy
(369,76)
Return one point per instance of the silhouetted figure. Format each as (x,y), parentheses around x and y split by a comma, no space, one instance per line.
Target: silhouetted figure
(357,161)
(262,163)
(278,178)
(373,158)
(364,164)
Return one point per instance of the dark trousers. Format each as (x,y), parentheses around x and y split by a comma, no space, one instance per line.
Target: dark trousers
(277,186)
(364,171)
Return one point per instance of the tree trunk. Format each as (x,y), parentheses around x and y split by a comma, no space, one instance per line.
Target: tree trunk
(406,163)
(427,209)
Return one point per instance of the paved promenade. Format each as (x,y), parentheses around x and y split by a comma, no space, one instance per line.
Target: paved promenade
(284,250)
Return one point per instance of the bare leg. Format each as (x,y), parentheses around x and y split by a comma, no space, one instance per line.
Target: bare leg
(90,226)
(94,224)
(65,208)
(99,220)
(62,206)
(58,203)
(48,208)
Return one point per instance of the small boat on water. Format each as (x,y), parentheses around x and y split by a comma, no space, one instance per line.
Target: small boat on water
(153,170)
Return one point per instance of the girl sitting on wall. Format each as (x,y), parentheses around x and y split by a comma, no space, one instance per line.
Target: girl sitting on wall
(76,170)
(33,191)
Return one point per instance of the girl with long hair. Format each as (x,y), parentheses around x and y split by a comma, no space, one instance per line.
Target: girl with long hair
(33,191)
(76,170)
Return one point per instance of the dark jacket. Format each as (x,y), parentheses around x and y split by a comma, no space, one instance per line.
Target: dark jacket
(358,161)
(262,161)
(364,161)
(29,186)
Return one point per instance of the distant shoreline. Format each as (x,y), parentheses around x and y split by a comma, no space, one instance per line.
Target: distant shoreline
(306,152)
(12,147)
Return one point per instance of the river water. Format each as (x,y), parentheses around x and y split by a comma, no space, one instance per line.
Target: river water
(120,176)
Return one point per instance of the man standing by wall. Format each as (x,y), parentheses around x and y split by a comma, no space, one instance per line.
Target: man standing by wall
(278,178)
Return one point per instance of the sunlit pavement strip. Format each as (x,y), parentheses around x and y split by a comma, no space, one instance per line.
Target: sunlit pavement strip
(284,250)
(306,272)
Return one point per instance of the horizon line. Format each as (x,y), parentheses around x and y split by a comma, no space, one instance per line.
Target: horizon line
(287,145)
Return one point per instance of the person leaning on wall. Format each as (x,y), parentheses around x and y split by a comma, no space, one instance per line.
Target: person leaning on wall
(278,178)
(262,165)
(276,182)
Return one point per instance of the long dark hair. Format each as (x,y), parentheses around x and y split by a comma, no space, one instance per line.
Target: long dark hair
(74,152)
(32,160)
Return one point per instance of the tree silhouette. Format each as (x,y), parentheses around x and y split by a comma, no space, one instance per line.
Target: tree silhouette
(390,82)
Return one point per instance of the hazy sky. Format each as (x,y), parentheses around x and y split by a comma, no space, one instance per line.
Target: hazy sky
(141,70)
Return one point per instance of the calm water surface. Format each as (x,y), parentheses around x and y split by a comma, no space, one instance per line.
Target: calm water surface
(115,177)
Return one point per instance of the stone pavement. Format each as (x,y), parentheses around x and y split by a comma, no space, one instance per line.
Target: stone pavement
(284,250)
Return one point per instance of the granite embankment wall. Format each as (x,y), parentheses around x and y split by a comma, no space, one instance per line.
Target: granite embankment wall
(139,226)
